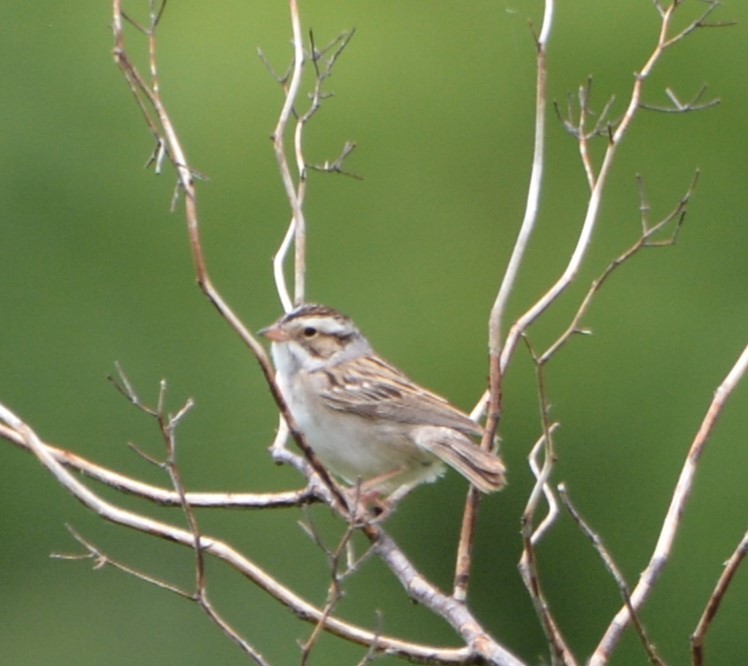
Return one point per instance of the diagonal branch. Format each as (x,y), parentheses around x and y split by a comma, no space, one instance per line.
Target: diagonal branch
(302,609)
(671,523)
(615,572)
(712,606)
(647,239)
(531,535)
(162,496)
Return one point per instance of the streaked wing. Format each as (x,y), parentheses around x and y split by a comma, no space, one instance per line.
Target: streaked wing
(369,386)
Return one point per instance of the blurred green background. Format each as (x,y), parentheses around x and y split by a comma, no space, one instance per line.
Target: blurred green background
(439,98)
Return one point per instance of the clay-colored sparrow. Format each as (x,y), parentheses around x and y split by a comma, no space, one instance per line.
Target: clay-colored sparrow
(363,417)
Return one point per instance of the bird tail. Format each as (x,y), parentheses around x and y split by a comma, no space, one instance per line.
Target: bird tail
(484,470)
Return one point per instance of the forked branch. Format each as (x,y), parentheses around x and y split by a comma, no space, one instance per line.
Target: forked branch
(483,646)
(323,60)
(490,403)
(159,121)
(598,182)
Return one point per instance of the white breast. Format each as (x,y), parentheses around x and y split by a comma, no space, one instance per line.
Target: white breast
(351,446)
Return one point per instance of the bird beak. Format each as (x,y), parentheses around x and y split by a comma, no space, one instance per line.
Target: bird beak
(274,333)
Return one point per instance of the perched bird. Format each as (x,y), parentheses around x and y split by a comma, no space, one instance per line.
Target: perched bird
(365,420)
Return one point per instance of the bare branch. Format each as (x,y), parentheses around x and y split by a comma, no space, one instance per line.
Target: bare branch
(323,61)
(371,653)
(161,496)
(616,135)
(671,523)
(683,107)
(336,166)
(712,606)
(500,355)
(279,260)
(648,239)
(560,652)
(454,612)
(700,22)
(491,401)
(614,571)
(479,647)
(295,196)
(101,560)
(482,645)
(464,556)
(545,444)
(531,536)
(323,67)
(541,474)
(335,590)
(576,123)
(533,198)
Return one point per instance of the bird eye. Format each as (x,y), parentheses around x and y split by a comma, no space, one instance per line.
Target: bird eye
(310,332)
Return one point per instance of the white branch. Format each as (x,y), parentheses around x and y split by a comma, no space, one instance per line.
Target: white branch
(671,523)
(298,222)
(533,195)
(278,261)
(163,496)
(249,569)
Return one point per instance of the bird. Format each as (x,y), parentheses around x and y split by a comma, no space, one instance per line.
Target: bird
(365,420)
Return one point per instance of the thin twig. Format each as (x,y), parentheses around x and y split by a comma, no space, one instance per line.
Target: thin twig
(296,198)
(101,560)
(168,424)
(647,239)
(577,124)
(464,556)
(542,477)
(672,520)
(560,653)
(335,590)
(615,572)
(531,536)
(323,61)
(541,474)
(163,496)
(683,107)
(336,166)
(479,644)
(533,197)
(120,516)
(372,652)
(715,599)
(279,260)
